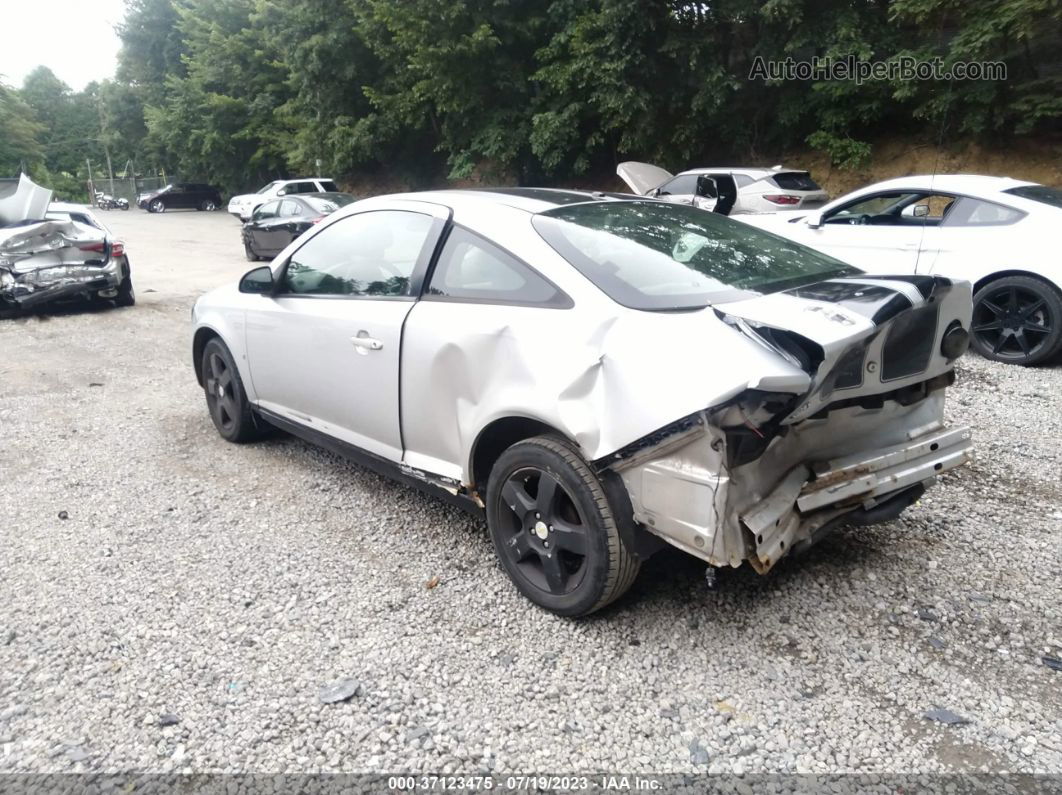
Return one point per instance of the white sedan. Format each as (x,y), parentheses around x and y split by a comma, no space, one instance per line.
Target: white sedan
(1000,234)
(596,376)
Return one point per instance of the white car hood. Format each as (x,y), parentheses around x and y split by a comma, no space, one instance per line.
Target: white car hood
(642,177)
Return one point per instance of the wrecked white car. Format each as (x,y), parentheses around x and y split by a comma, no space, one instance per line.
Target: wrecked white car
(595,375)
(52,253)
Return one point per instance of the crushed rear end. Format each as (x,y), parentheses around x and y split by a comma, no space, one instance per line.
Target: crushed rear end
(43,262)
(764,473)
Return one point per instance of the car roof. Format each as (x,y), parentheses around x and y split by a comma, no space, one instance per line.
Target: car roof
(759,172)
(532,200)
(951,183)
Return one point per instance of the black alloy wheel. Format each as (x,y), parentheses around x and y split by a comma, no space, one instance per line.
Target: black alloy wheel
(554,530)
(225,396)
(1017,319)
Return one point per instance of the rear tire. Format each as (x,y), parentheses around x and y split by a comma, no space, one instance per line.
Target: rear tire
(554,530)
(208,205)
(1017,320)
(225,396)
(126,296)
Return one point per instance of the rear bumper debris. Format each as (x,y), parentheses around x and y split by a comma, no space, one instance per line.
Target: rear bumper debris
(857,465)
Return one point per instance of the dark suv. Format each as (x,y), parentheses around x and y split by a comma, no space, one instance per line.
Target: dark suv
(180,196)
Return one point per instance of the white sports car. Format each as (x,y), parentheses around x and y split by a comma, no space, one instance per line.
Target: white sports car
(1000,234)
(595,375)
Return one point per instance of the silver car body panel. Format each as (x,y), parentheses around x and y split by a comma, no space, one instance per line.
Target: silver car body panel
(22,199)
(655,396)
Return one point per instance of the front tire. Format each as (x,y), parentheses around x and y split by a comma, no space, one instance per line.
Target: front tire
(157,206)
(1017,320)
(226,399)
(249,252)
(554,530)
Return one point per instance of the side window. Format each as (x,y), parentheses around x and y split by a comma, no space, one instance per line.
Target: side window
(974,212)
(302,187)
(328,186)
(267,210)
(879,204)
(682,185)
(741,180)
(369,254)
(471,269)
(289,208)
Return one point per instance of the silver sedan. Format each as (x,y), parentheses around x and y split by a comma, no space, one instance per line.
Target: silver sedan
(598,375)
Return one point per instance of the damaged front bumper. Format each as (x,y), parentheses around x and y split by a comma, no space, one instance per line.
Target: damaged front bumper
(855,465)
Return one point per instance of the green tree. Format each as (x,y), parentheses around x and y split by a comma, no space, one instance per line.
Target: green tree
(20,146)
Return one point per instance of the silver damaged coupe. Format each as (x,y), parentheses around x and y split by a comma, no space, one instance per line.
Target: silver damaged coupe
(596,374)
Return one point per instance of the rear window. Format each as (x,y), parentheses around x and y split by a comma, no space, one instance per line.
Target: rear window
(663,256)
(795,180)
(329,204)
(328,186)
(1038,193)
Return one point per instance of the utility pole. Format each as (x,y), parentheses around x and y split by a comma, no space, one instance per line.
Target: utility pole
(91,185)
(110,171)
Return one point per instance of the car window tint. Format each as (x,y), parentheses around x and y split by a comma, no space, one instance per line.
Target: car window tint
(682,185)
(327,186)
(975,212)
(267,210)
(872,205)
(1052,197)
(470,268)
(289,208)
(742,180)
(795,180)
(660,255)
(370,254)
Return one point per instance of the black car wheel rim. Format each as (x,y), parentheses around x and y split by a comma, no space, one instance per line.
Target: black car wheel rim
(544,535)
(219,392)
(1013,322)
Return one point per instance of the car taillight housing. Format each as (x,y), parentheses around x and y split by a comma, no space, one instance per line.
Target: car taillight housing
(117,249)
(782,198)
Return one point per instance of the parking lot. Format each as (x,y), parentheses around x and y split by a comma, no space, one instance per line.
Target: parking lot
(151,569)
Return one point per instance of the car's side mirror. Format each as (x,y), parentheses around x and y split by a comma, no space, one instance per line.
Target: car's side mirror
(259,280)
(916,211)
(282,192)
(814,220)
(706,187)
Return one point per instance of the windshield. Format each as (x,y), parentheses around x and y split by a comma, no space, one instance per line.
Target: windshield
(662,256)
(270,186)
(328,204)
(1039,193)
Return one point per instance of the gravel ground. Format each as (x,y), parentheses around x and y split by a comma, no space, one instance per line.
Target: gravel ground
(216,588)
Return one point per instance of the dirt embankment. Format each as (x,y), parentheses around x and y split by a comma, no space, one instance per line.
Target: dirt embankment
(1036,160)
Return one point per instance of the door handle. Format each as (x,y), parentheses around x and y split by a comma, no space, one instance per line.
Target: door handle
(366,343)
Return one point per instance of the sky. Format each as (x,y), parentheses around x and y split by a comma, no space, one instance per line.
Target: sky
(73,38)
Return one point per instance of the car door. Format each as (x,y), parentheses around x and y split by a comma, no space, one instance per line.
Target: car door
(290,222)
(873,234)
(181,198)
(262,229)
(459,351)
(324,348)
